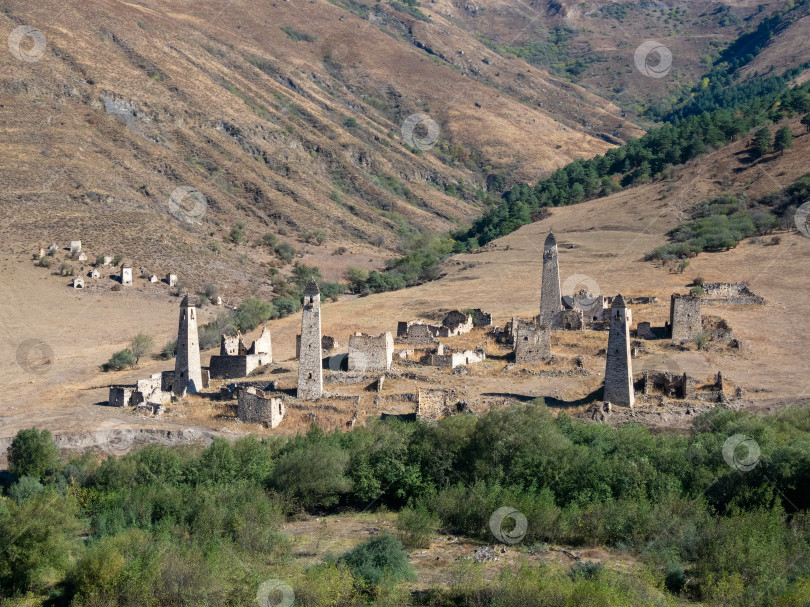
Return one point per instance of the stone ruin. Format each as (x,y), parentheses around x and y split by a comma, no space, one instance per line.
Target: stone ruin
(532,343)
(370,353)
(729,292)
(719,331)
(82,256)
(171,279)
(235,360)
(415,333)
(94,273)
(593,307)
(254,406)
(685,323)
(126,275)
(152,278)
(448,358)
(672,385)
(418,333)
(78,282)
(310,366)
(75,247)
(327,343)
(433,404)
(666,384)
(156,392)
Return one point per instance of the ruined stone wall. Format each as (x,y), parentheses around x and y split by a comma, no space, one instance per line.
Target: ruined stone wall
(457,323)
(120,396)
(731,292)
(417,334)
(684,317)
(481,318)
(255,407)
(456,359)
(532,344)
(310,372)
(618,364)
(431,404)
(718,329)
(369,353)
(231,345)
(232,367)
(262,345)
(567,320)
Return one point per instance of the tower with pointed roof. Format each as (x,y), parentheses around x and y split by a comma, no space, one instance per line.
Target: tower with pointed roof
(618,366)
(550,300)
(310,370)
(187,368)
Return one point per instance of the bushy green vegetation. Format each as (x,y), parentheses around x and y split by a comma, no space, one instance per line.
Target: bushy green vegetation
(203,526)
(722,222)
(423,254)
(638,161)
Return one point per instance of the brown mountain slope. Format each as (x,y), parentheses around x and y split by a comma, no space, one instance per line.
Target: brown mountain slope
(283,115)
(603,240)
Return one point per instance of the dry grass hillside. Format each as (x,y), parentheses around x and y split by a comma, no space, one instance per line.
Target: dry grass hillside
(603,240)
(287,118)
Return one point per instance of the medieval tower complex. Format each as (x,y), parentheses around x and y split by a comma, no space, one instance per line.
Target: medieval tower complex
(187,369)
(550,300)
(310,372)
(619,367)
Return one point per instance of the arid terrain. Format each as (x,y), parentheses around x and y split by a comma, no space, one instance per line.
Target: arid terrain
(602,242)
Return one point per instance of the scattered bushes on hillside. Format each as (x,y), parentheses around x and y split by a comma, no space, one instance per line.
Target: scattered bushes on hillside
(723,221)
(119,360)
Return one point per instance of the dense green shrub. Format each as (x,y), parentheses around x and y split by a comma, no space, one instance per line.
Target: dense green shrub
(380,560)
(32,453)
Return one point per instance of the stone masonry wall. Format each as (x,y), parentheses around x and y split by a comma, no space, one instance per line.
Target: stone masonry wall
(255,407)
(532,343)
(369,353)
(684,317)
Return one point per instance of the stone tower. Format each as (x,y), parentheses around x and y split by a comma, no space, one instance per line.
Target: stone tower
(550,300)
(310,373)
(619,367)
(685,321)
(187,370)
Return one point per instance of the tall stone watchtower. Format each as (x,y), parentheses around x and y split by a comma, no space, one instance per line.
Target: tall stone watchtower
(310,372)
(187,369)
(550,300)
(619,367)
